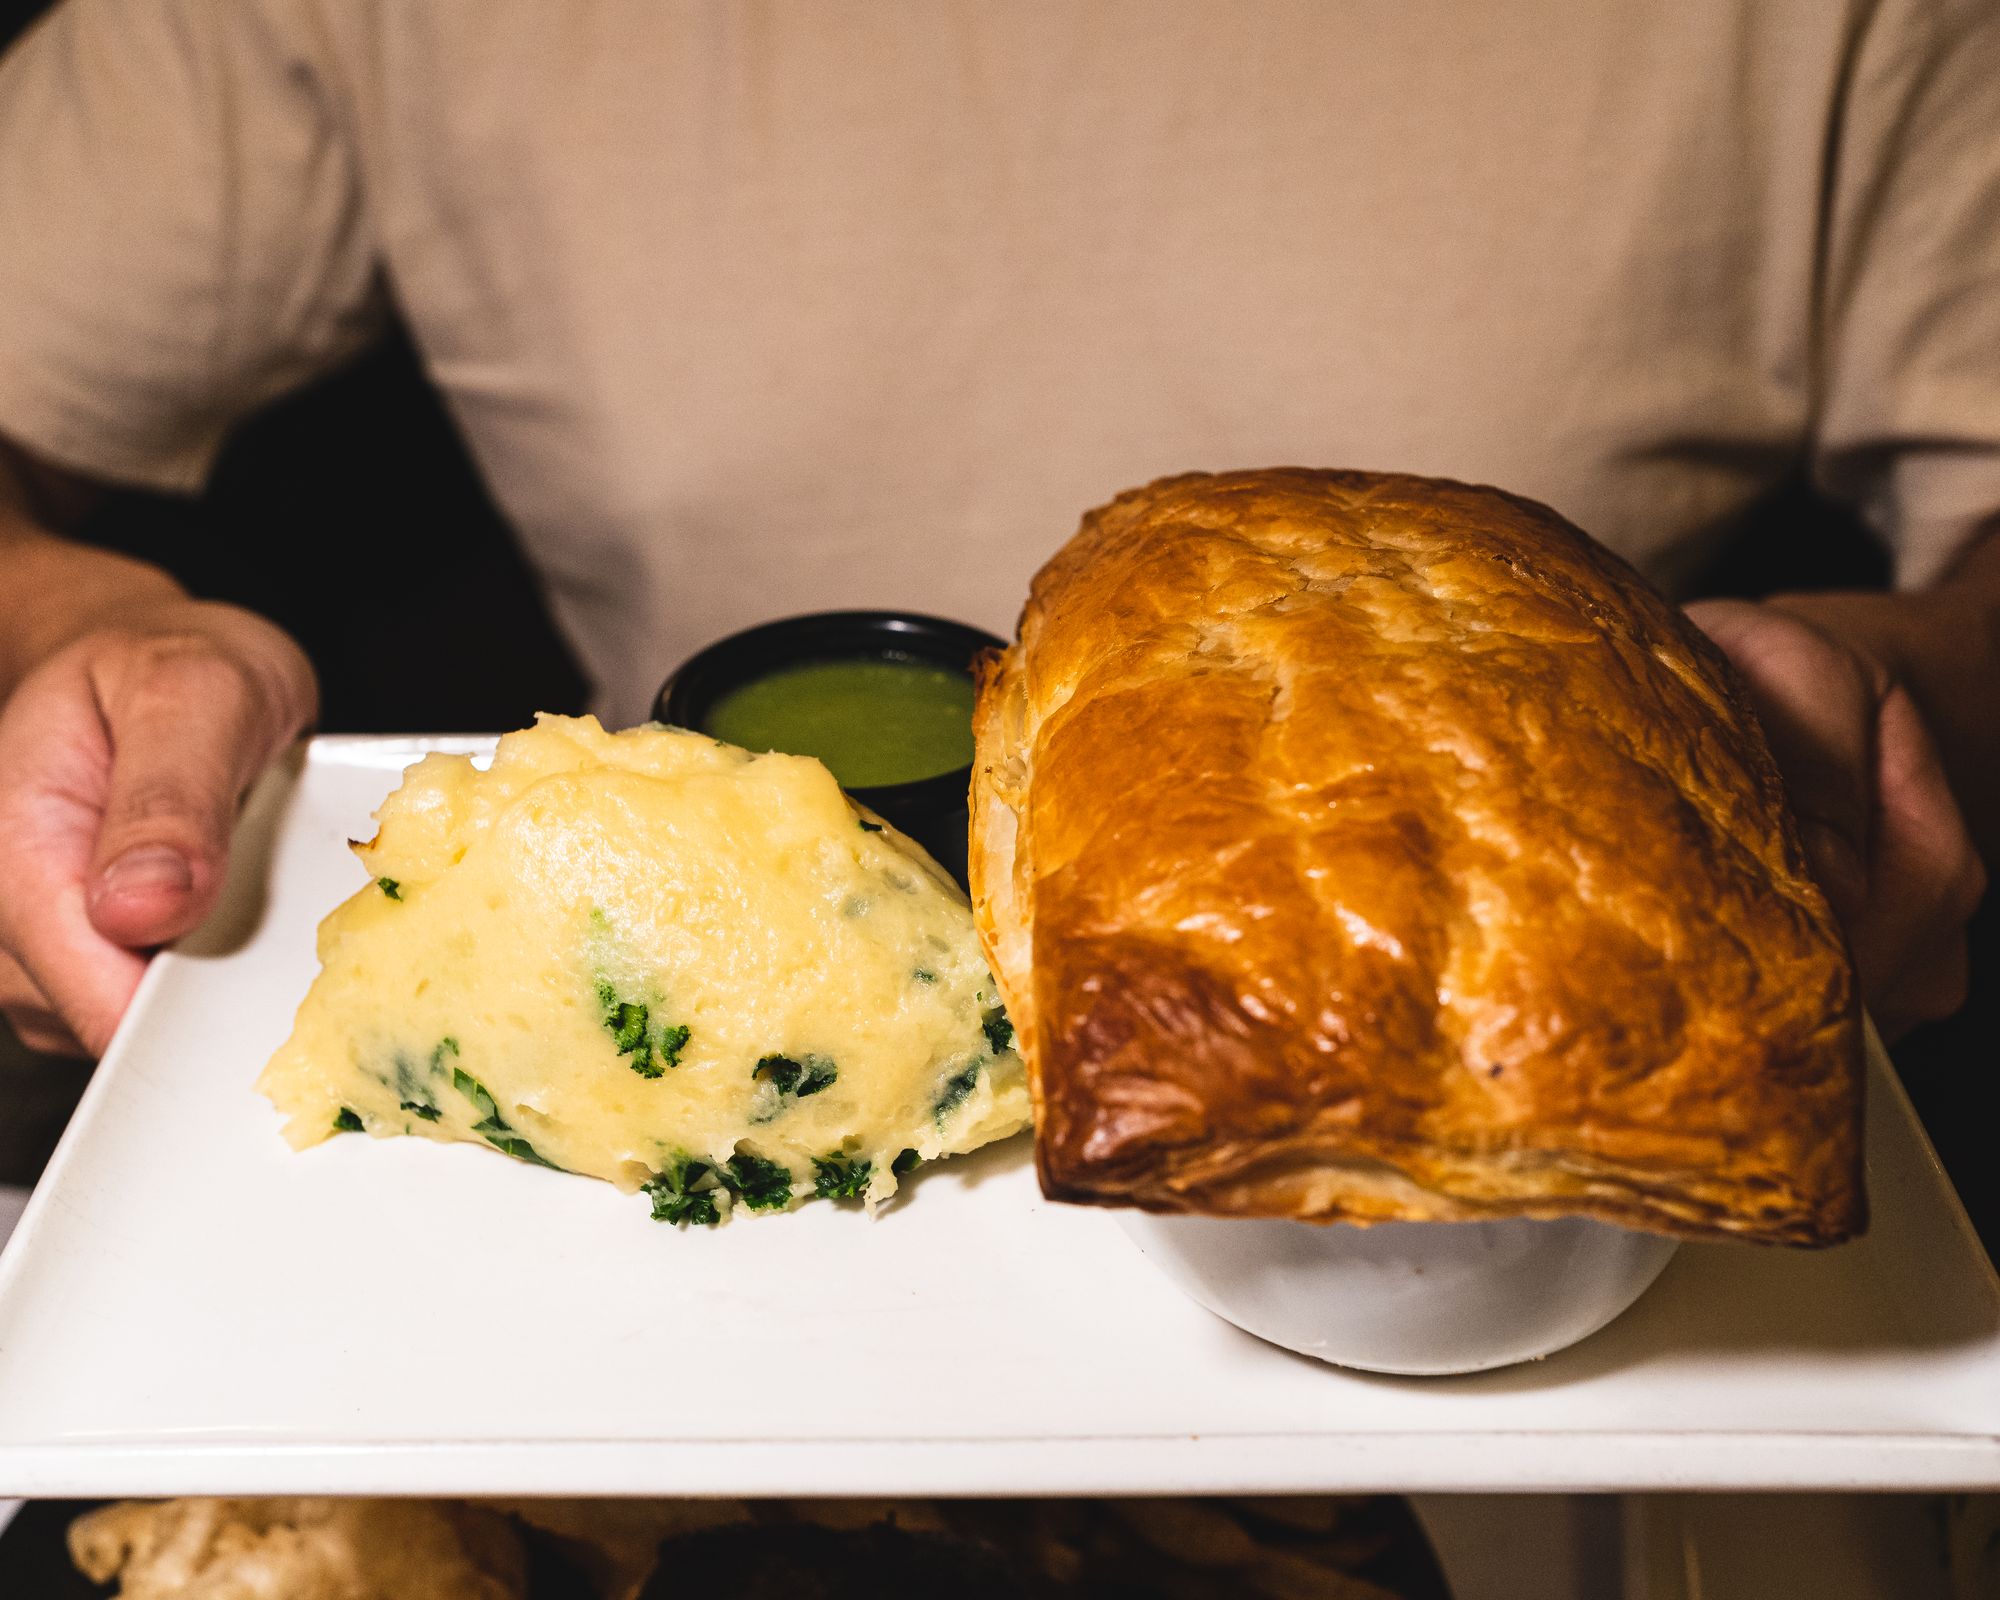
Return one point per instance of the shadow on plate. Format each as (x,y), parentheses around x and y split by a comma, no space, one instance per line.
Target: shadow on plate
(240,911)
(1723,1302)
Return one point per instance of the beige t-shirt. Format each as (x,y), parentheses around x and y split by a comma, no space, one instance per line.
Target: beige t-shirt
(754,308)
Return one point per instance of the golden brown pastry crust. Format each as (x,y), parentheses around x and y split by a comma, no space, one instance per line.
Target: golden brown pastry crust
(1361,847)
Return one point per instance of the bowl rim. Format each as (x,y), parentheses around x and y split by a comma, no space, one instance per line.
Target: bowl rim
(693,687)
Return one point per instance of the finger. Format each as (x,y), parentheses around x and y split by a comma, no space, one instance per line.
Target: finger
(16,987)
(43,1032)
(86,981)
(1818,712)
(28,1013)
(1931,986)
(1925,875)
(48,822)
(188,729)
(1917,817)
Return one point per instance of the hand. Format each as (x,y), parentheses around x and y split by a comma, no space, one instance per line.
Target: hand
(1883,832)
(123,759)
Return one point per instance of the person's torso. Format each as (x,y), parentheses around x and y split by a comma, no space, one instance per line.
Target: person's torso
(753,309)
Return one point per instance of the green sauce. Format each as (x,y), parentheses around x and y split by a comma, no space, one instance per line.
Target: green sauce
(873,721)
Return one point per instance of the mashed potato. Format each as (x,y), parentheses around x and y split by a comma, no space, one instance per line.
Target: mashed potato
(657,960)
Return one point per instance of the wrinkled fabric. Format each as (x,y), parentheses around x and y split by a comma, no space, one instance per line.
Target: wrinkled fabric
(752,309)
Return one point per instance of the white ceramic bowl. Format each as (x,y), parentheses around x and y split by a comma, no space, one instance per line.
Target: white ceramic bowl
(1421,1298)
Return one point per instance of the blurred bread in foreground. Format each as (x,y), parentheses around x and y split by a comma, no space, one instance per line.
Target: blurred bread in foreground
(1323,1547)
(1360,847)
(301,1548)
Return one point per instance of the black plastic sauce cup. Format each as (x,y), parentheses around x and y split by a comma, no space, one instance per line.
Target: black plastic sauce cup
(932,811)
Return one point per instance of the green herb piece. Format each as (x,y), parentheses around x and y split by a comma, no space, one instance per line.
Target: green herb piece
(698,1210)
(628,1026)
(413,1081)
(676,1198)
(406,1081)
(482,1102)
(906,1163)
(781,1072)
(924,975)
(761,1185)
(346,1122)
(998,1029)
(390,887)
(819,1074)
(870,827)
(652,1046)
(491,1126)
(956,1091)
(795,1078)
(429,1113)
(514,1145)
(839,1177)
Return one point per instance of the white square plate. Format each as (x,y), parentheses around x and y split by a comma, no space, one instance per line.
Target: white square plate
(190,1308)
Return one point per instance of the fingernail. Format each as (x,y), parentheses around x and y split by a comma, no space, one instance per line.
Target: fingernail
(149,869)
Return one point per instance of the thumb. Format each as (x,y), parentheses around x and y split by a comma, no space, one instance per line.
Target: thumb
(184,748)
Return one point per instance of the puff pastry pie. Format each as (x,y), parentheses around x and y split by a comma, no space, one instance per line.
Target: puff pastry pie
(1358,847)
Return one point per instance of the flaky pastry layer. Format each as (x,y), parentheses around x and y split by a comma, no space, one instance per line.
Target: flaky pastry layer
(1362,847)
